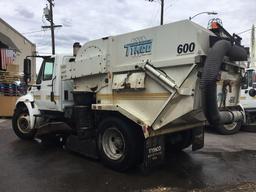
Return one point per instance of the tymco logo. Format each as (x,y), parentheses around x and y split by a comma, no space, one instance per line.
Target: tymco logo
(138,48)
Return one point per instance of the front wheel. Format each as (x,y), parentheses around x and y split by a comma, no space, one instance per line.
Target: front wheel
(120,143)
(21,124)
(229,129)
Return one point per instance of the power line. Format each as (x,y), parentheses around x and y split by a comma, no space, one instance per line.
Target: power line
(168,7)
(154,16)
(162,10)
(245,31)
(171,4)
(30,32)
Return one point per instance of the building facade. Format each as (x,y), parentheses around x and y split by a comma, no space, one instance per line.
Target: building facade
(19,44)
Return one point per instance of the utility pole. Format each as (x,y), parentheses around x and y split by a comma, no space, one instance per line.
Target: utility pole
(52,27)
(253,48)
(49,17)
(162,11)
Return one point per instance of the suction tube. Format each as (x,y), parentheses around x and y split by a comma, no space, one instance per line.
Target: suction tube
(208,84)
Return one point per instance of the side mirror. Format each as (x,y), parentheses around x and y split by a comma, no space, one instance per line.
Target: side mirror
(27,70)
(252,92)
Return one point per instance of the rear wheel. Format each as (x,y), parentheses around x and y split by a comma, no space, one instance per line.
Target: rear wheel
(229,129)
(120,143)
(21,124)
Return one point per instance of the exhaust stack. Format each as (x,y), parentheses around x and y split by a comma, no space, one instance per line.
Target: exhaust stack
(76,47)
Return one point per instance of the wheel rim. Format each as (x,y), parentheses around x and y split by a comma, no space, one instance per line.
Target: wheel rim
(113,143)
(230,126)
(23,123)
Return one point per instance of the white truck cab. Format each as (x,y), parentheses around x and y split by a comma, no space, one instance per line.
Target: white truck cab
(248,84)
(49,92)
(248,98)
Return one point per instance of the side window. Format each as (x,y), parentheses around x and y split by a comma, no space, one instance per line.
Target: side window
(48,70)
(254,80)
(245,81)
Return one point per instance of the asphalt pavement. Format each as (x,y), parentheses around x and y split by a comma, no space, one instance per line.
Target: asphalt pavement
(226,163)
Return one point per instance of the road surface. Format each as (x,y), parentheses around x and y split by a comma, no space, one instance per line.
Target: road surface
(226,163)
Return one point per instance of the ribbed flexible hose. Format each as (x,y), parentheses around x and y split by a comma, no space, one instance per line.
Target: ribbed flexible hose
(208,84)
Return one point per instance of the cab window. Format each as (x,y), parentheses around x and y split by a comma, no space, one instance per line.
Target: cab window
(48,70)
(250,73)
(254,79)
(245,81)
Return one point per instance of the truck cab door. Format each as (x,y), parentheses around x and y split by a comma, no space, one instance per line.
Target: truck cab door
(45,86)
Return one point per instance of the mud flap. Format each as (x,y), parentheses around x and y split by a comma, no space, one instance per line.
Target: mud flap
(198,138)
(154,151)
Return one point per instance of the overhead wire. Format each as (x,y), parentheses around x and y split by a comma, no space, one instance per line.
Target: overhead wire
(170,5)
(245,31)
(154,16)
(30,32)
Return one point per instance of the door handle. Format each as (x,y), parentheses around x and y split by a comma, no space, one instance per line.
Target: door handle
(49,85)
(246,91)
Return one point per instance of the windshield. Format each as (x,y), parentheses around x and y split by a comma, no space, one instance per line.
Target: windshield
(249,80)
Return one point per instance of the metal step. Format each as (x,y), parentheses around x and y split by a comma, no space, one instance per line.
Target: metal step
(53,128)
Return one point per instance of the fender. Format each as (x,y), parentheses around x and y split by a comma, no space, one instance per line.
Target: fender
(243,111)
(32,109)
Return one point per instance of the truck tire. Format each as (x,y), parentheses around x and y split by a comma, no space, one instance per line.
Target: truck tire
(119,143)
(229,129)
(178,141)
(20,124)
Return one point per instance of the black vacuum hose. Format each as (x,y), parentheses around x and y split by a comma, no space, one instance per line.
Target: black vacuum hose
(208,84)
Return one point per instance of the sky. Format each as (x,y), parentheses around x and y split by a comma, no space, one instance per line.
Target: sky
(85,20)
